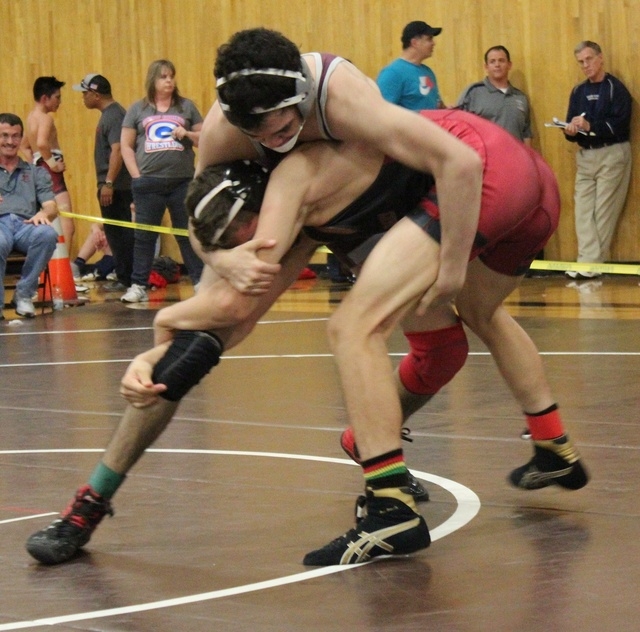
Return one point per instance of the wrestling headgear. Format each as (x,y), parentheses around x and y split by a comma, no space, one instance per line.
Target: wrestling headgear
(303,97)
(246,182)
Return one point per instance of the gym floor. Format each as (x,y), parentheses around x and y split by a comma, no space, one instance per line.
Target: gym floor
(212,524)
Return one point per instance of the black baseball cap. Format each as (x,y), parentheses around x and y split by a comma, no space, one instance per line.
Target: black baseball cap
(417,28)
(94,83)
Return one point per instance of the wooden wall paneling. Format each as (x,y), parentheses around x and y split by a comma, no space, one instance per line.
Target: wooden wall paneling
(550,71)
(620,22)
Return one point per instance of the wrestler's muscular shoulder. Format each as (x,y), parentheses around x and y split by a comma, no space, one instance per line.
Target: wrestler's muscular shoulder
(351,102)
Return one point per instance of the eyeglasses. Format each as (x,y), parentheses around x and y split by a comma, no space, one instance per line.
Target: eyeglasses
(4,136)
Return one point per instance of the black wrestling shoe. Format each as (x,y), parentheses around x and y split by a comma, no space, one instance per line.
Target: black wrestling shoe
(386,524)
(555,462)
(348,444)
(64,537)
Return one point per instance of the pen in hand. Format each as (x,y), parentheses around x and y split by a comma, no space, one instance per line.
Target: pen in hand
(581,131)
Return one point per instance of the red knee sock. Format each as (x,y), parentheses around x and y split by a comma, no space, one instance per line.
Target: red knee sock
(546,424)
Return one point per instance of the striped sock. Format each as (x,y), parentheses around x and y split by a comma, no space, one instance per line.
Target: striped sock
(546,424)
(386,470)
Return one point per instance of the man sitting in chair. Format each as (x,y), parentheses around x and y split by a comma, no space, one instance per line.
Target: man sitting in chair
(27,208)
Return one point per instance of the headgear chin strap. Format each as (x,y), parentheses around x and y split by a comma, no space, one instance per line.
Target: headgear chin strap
(304,88)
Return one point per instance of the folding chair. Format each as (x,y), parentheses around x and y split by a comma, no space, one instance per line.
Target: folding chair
(15,261)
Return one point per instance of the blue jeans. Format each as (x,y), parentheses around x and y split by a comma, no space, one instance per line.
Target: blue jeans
(37,242)
(152,196)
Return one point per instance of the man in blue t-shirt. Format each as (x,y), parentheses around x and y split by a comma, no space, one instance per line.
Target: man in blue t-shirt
(408,82)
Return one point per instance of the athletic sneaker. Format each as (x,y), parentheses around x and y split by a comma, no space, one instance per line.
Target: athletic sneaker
(64,537)
(390,526)
(555,462)
(135,294)
(24,307)
(113,286)
(348,444)
(572,274)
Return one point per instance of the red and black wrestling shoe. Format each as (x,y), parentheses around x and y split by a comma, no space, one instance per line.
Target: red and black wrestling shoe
(64,537)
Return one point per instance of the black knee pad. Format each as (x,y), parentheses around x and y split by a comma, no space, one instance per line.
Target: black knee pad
(190,357)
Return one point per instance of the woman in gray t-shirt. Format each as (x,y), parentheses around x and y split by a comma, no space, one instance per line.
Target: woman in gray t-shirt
(159,133)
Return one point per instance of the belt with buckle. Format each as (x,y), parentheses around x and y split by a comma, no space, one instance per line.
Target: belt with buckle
(600,145)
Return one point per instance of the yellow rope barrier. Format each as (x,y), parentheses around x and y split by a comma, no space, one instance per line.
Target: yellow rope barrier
(538,264)
(602,268)
(168,230)
(562,266)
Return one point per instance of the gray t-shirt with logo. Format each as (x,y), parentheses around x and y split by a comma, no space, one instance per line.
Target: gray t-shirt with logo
(157,153)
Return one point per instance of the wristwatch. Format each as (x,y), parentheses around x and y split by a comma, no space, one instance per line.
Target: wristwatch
(108,184)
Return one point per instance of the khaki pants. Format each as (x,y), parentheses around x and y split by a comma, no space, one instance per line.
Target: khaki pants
(602,180)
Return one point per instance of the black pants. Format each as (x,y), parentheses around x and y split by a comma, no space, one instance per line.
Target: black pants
(120,239)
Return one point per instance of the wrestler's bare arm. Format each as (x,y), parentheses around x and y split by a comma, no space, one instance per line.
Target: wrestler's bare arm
(285,204)
(219,306)
(221,142)
(356,111)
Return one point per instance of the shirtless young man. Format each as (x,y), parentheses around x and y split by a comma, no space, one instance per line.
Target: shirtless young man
(323,187)
(40,145)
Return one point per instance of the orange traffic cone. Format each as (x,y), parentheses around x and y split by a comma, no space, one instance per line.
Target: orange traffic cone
(60,271)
